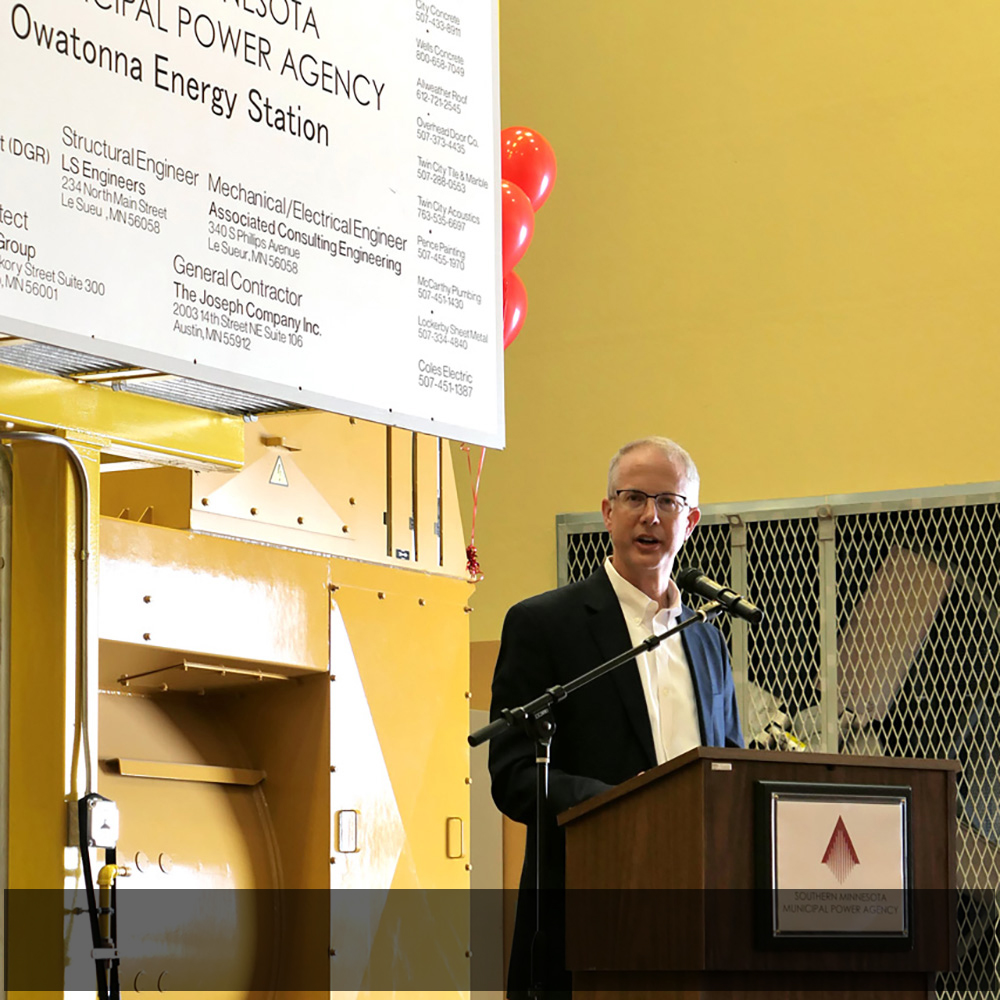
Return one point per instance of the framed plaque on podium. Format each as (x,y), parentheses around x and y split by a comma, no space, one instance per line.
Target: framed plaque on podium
(833,865)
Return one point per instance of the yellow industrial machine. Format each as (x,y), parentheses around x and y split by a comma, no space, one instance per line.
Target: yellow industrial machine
(254,642)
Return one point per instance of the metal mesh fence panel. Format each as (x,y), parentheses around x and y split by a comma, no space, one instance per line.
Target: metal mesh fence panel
(585,553)
(783,651)
(918,655)
(892,608)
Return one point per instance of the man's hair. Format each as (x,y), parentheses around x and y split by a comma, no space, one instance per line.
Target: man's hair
(671,449)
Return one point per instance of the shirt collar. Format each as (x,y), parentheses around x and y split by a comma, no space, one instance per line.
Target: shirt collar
(639,605)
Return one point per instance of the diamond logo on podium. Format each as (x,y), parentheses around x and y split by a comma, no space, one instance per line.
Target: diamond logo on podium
(840,856)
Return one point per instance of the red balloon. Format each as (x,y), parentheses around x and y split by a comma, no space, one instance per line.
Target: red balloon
(515,307)
(527,160)
(517,224)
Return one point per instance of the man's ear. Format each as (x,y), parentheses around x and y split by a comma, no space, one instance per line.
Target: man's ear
(694,516)
(606,512)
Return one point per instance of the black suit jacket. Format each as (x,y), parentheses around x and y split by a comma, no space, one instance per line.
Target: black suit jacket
(603,734)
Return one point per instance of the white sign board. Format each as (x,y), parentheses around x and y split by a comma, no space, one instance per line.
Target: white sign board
(294,198)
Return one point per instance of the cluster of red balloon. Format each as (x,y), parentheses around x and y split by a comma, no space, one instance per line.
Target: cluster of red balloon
(528,169)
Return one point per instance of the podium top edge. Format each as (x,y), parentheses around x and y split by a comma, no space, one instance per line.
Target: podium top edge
(737,755)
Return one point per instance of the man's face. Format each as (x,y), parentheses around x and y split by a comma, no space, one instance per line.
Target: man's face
(646,541)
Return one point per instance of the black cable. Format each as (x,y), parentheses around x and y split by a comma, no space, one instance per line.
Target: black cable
(111,858)
(92,910)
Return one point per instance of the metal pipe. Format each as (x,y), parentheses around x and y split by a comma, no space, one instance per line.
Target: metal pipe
(81,738)
(414,497)
(440,505)
(388,491)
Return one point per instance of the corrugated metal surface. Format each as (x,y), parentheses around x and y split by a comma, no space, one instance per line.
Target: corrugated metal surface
(51,360)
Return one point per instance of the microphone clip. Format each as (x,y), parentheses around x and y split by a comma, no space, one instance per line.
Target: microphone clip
(710,611)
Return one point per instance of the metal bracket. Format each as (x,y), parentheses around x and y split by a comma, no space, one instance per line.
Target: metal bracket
(825,523)
(737,531)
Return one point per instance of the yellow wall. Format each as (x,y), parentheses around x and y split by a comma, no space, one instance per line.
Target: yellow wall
(774,236)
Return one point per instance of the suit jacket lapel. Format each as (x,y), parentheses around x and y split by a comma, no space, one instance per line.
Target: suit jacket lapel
(697,655)
(610,634)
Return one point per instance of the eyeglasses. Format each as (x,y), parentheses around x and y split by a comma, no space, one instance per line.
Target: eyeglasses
(667,504)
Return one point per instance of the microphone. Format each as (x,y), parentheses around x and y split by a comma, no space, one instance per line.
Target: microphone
(694,580)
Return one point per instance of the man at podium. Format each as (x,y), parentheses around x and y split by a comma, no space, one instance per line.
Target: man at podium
(671,699)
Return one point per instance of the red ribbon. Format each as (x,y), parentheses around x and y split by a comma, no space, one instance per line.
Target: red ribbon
(472,557)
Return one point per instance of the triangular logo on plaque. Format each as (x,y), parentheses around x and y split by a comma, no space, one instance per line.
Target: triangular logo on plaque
(840,856)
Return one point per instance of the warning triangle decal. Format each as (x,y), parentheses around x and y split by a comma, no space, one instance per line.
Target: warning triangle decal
(278,477)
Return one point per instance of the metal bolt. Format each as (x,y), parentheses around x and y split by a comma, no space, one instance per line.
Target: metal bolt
(333,860)
(301,520)
(333,677)
(468,696)
(381,595)
(146,636)
(468,954)
(146,599)
(253,511)
(421,602)
(468,868)
(468,781)
(345,529)
(351,501)
(334,586)
(333,951)
(333,767)
(467,609)
(204,501)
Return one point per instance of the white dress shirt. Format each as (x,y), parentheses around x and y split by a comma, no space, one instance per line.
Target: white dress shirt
(664,672)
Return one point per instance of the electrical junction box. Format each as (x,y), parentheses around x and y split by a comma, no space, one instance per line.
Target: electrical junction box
(102,822)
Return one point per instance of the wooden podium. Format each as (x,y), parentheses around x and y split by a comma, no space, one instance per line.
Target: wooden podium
(660,883)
